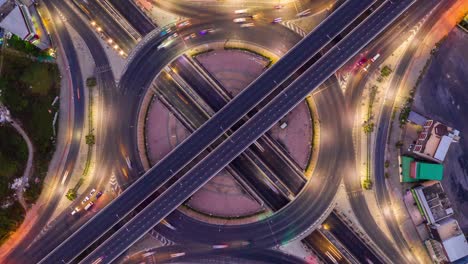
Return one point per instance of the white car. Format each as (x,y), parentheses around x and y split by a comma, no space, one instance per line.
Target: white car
(240,11)
(239,20)
(76,210)
(85,200)
(247,25)
(92,192)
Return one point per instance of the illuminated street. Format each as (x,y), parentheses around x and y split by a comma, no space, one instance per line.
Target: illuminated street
(275,131)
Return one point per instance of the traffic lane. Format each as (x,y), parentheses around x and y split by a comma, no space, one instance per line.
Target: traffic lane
(83,30)
(207,254)
(313,42)
(386,44)
(203,88)
(350,240)
(144,186)
(242,138)
(79,119)
(65,224)
(323,247)
(166,86)
(220,9)
(135,17)
(108,24)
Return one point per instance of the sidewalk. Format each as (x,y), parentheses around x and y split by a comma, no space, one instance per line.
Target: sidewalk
(27,171)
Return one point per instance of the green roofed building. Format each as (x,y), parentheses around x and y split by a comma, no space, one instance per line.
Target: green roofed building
(413,171)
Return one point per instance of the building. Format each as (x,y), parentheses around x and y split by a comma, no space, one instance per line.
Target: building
(434,140)
(416,118)
(448,236)
(413,171)
(432,202)
(24,22)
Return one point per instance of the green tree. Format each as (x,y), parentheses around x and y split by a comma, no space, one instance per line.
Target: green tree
(91,82)
(90,139)
(368,127)
(385,71)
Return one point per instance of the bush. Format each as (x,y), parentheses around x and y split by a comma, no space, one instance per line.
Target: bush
(368,127)
(71,194)
(399,144)
(91,82)
(385,71)
(367,184)
(90,140)
(387,164)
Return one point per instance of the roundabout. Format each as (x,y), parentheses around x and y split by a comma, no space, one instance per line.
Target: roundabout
(311,204)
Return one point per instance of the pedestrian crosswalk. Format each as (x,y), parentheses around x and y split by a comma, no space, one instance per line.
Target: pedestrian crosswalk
(289,24)
(160,238)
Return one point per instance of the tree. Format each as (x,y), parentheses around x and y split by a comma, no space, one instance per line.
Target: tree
(368,127)
(385,71)
(90,139)
(91,82)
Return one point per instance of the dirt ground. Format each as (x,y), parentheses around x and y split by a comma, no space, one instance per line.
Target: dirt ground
(442,95)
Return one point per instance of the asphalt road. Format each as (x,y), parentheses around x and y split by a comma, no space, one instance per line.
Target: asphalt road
(385,46)
(346,236)
(171,198)
(285,172)
(193,253)
(134,16)
(322,247)
(222,9)
(198,141)
(108,24)
(242,167)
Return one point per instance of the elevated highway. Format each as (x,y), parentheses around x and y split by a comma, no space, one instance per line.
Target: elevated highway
(170,199)
(217,126)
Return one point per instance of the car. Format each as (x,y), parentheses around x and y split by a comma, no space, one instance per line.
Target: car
(278,6)
(239,20)
(85,200)
(88,206)
(247,25)
(92,192)
(98,194)
(362,61)
(183,24)
(411,146)
(240,11)
(76,210)
(376,57)
(277,20)
(205,31)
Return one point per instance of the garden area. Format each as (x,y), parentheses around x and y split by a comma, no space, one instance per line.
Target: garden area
(27,88)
